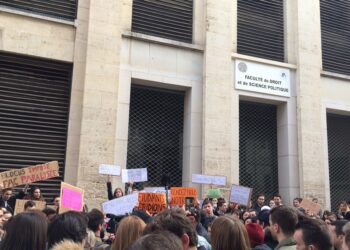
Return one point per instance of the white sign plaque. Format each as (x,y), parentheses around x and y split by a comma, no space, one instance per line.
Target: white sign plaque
(109,169)
(122,205)
(134,175)
(262,78)
(209,179)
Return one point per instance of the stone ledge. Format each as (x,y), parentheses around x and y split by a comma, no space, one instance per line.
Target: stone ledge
(335,75)
(164,41)
(261,60)
(38,16)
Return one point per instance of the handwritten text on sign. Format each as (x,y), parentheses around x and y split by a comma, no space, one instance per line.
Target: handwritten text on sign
(152,202)
(122,205)
(134,175)
(240,194)
(178,195)
(209,179)
(17,177)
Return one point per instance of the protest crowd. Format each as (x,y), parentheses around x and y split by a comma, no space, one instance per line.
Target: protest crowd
(181,221)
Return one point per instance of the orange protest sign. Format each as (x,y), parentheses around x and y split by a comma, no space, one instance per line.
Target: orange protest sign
(178,195)
(152,202)
(17,177)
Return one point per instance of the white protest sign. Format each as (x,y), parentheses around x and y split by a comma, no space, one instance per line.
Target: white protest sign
(240,194)
(109,169)
(134,175)
(209,179)
(122,205)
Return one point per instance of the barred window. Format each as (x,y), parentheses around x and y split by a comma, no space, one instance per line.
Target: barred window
(260,29)
(170,19)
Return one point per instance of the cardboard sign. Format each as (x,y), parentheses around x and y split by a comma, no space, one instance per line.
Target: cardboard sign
(152,202)
(240,194)
(39,205)
(214,193)
(17,177)
(209,179)
(134,175)
(109,169)
(122,205)
(311,206)
(178,195)
(71,198)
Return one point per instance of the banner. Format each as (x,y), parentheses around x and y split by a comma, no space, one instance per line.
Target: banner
(71,198)
(134,175)
(209,179)
(214,193)
(109,169)
(19,208)
(310,206)
(122,205)
(178,195)
(152,202)
(18,177)
(240,194)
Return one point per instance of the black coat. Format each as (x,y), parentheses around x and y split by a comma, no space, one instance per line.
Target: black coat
(11,203)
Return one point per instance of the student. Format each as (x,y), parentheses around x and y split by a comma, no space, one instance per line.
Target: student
(34,194)
(163,240)
(227,233)
(282,226)
(209,213)
(8,201)
(118,192)
(25,231)
(95,224)
(336,229)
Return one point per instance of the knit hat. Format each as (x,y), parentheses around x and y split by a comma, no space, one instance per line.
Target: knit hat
(263,216)
(255,234)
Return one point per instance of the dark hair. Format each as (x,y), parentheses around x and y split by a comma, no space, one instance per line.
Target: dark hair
(6,189)
(259,195)
(48,211)
(285,217)
(26,231)
(220,203)
(205,202)
(315,232)
(163,240)
(277,195)
(95,218)
(70,225)
(29,204)
(32,189)
(175,221)
(298,199)
(339,226)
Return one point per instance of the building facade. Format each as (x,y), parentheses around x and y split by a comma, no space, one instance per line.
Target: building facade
(156,84)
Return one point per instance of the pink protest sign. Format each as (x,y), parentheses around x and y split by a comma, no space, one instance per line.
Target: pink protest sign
(71,198)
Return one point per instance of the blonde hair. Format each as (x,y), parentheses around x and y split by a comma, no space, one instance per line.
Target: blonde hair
(129,230)
(228,233)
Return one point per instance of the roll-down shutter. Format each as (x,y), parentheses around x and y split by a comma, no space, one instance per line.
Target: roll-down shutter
(260,29)
(170,19)
(335,30)
(34,105)
(64,9)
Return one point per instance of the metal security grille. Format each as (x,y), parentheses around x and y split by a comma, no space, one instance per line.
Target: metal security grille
(64,9)
(335,31)
(338,128)
(260,29)
(170,19)
(156,133)
(258,167)
(34,105)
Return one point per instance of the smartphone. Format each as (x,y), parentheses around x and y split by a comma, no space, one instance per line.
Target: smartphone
(189,203)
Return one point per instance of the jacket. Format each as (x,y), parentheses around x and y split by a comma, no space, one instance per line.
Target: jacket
(67,244)
(286,244)
(11,203)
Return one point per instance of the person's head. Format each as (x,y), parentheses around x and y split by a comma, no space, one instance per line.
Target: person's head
(283,220)
(36,193)
(208,208)
(277,198)
(7,215)
(163,240)
(245,215)
(56,201)
(260,200)
(296,202)
(29,205)
(95,220)
(50,213)
(222,206)
(1,217)
(255,234)
(118,192)
(175,221)
(247,221)
(6,194)
(314,200)
(263,218)
(346,241)
(312,234)
(336,229)
(272,203)
(227,233)
(71,225)
(26,231)
(129,230)
(343,206)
